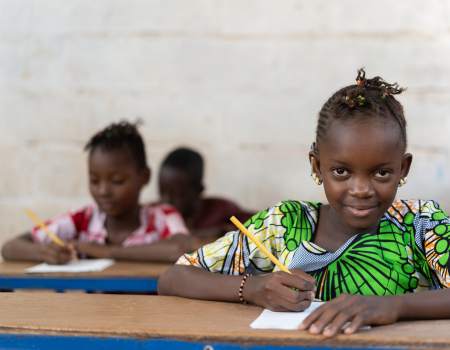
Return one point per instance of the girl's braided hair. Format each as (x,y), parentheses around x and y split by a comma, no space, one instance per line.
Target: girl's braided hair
(118,136)
(367,98)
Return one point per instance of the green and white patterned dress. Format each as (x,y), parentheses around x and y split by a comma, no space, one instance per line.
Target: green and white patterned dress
(409,252)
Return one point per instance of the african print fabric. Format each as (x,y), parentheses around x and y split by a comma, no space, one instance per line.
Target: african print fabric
(409,252)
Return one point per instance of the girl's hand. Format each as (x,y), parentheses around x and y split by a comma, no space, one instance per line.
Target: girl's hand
(350,312)
(280,291)
(55,254)
(94,250)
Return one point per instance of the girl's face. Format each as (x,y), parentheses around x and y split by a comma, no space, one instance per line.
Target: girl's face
(115,181)
(361,163)
(176,188)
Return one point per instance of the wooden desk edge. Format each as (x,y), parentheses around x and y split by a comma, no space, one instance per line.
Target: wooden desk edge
(340,341)
(9,269)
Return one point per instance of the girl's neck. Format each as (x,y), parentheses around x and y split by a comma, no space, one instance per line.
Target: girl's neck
(194,213)
(331,232)
(128,221)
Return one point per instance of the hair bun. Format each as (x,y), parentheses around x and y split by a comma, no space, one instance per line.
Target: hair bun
(377,83)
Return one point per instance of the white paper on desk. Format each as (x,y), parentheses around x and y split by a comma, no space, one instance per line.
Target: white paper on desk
(87,265)
(283,320)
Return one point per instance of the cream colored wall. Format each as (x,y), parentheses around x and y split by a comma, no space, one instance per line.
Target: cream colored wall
(240,80)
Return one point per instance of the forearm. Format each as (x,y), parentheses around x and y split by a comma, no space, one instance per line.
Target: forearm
(433,304)
(21,248)
(193,282)
(211,233)
(163,251)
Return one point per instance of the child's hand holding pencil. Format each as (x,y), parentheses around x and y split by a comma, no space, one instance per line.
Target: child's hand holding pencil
(280,291)
(57,252)
(277,291)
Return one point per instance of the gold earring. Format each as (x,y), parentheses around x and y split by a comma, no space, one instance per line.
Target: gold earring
(402,181)
(316,179)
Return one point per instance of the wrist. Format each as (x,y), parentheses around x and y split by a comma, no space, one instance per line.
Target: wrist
(241,288)
(39,254)
(248,289)
(399,307)
(113,252)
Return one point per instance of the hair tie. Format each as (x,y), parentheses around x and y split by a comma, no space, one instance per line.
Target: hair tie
(361,100)
(361,78)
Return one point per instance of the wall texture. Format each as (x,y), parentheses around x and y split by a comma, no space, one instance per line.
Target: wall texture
(240,80)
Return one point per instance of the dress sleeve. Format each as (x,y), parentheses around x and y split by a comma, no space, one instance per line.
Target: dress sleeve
(435,229)
(234,254)
(170,222)
(64,226)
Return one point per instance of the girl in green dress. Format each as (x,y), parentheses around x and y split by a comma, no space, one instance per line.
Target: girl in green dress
(376,260)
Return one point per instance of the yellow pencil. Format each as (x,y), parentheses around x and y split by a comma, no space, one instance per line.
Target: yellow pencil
(277,262)
(241,227)
(38,222)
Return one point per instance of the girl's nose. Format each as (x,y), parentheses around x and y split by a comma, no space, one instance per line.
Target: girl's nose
(104,189)
(361,188)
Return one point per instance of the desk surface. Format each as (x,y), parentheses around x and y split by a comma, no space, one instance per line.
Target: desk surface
(139,316)
(118,269)
(125,277)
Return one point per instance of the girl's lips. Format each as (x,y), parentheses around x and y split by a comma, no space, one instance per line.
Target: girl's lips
(360,212)
(106,205)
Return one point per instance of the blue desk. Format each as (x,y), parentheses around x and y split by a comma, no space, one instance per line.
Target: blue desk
(43,342)
(108,321)
(124,277)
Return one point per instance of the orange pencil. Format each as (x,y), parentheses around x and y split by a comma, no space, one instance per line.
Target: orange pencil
(38,222)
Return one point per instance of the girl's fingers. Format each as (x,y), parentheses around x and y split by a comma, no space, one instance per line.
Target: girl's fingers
(308,321)
(288,306)
(356,324)
(324,320)
(295,281)
(337,323)
(64,257)
(277,308)
(304,275)
(295,296)
(52,256)
(73,251)
(324,316)
(60,250)
(51,259)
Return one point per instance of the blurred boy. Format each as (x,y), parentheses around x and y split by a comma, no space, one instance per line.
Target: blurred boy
(181,185)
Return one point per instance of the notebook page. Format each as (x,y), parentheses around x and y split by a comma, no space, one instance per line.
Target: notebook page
(87,265)
(283,320)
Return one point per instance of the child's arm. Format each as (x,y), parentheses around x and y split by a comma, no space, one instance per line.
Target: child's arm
(273,291)
(215,271)
(23,248)
(168,250)
(357,311)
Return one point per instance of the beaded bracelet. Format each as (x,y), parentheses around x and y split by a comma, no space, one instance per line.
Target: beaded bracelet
(241,288)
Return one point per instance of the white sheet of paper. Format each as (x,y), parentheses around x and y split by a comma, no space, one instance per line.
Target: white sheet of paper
(283,320)
(88,265)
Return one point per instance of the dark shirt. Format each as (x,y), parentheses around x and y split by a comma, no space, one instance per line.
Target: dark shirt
(216,212)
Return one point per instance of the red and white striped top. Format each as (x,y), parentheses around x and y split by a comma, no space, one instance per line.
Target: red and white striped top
(158,221)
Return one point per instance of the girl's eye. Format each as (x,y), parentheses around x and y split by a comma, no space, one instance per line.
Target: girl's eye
(118,181)
(93,181)
(340,172)
(382,174)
